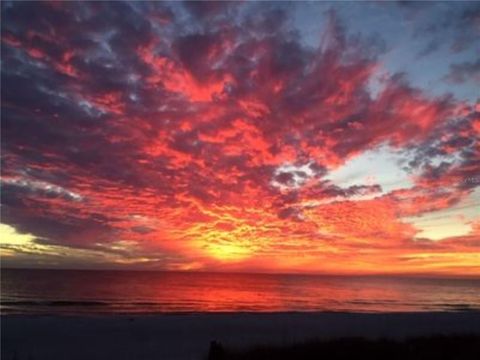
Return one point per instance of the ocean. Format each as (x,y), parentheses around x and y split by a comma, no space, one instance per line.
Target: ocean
(78,292)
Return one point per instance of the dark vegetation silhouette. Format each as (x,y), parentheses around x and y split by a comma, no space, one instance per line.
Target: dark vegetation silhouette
(461,347)
(216,351)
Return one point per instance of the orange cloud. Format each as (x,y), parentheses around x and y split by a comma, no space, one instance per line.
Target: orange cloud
(161,145)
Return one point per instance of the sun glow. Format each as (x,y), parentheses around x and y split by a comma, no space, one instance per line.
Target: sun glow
(228,252)
(225,246)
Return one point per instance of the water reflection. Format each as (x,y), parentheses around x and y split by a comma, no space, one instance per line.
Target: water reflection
(138,292)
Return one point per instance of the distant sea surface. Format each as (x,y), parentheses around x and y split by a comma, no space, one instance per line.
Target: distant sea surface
(112,292)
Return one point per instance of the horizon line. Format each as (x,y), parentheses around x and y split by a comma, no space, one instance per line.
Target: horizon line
(386,275)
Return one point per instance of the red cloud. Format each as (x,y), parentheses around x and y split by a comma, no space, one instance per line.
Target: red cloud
(212,147)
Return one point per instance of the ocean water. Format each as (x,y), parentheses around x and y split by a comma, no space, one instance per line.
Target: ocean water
(97,292)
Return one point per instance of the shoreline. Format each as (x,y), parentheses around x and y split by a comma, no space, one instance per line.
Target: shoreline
(187,336)
(101,314)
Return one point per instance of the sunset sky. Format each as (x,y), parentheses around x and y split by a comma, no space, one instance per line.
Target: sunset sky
(240,136)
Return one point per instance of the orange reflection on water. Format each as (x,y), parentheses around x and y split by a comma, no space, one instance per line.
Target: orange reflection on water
(139,292)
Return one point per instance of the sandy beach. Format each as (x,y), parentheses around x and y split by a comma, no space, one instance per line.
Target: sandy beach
(187,336)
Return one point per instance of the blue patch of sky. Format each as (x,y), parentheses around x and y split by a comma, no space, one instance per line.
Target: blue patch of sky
(416,42)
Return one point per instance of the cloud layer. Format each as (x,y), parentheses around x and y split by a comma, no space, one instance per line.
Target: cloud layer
(201,135)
